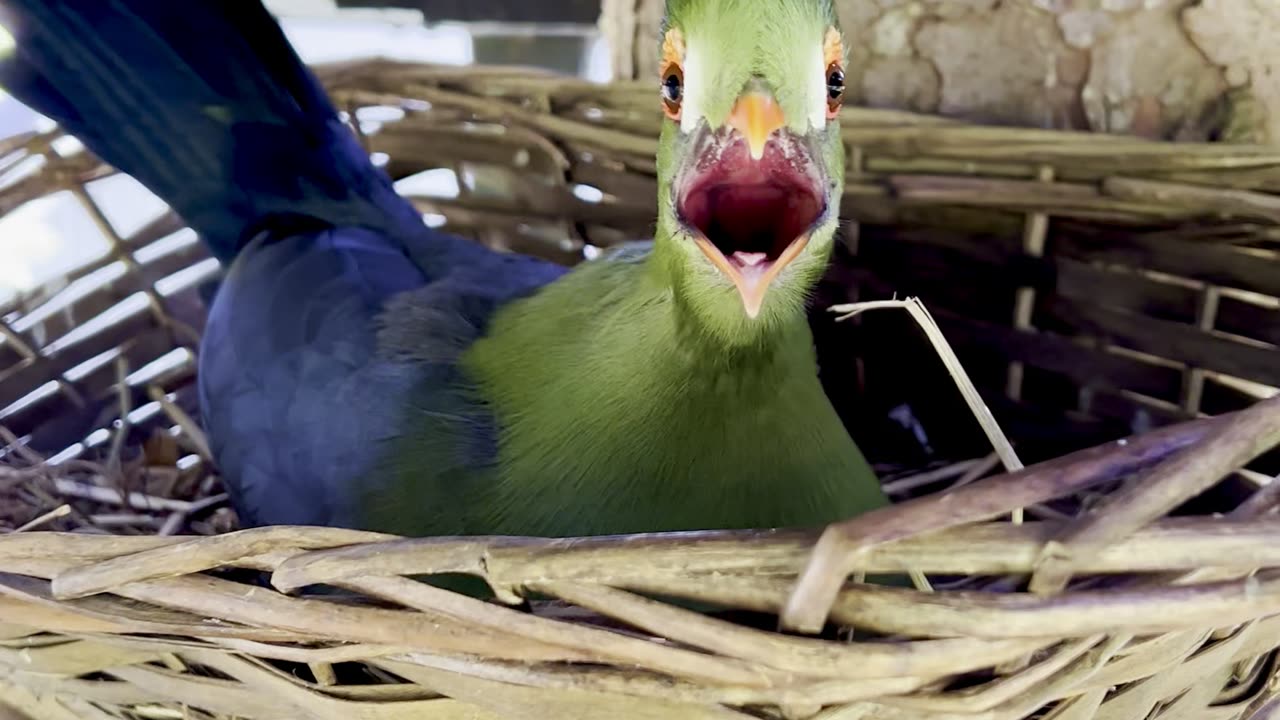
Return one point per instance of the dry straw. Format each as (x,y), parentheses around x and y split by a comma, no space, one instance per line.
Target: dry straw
(1144,275)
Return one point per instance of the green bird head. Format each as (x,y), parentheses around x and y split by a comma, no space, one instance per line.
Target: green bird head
(750,162)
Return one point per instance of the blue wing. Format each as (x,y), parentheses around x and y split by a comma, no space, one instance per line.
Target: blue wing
(205,103)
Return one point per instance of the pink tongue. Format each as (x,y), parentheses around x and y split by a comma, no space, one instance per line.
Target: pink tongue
(752,266)
(750,259)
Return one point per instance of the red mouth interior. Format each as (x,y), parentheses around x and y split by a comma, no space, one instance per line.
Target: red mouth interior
(751,210)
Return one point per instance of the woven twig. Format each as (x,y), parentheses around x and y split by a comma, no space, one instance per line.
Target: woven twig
(747,570)
(1148,287)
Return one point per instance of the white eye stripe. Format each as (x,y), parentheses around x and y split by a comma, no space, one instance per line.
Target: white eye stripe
(818,89)
(695,88)
(694,82)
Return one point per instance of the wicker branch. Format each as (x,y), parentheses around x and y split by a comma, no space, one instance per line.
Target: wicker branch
(1134,286)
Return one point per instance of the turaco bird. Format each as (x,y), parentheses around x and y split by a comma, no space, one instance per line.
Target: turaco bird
(360,369)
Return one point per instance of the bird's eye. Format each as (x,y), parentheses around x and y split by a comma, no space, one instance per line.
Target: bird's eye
(835,89)
(672,90)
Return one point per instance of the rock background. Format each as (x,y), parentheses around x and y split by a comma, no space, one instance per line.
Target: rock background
(1170,69)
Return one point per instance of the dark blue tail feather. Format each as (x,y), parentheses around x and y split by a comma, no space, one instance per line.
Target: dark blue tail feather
(205,103)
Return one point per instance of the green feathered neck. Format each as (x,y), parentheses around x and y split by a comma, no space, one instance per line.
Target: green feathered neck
(671,428)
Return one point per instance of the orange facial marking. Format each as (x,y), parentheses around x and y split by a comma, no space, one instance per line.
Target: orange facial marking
(833,48)
(833,59)
(671,70)
(672,49)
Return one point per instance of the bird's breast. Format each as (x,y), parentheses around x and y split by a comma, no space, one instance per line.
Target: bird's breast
(701,453)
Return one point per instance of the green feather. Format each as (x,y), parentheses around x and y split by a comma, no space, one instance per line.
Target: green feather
(769,39)
(634,394)
(636,418)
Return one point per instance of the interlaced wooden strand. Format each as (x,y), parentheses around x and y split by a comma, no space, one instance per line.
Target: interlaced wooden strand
(1087,279)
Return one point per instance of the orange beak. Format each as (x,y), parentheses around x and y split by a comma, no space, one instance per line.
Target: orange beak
(756,116)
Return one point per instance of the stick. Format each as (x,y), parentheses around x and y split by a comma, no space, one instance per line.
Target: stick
(54,514)
(1004,449)
(837,551)
(111,496)
(1246,436)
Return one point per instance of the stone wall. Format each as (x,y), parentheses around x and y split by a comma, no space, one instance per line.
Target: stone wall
(1174,69)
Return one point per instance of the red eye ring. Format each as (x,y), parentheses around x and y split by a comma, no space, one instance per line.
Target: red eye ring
(672,90)
(835,89)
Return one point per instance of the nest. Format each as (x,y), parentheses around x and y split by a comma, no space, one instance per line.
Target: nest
(1098,290)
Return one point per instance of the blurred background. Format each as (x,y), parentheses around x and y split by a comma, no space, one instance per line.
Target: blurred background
(45,239)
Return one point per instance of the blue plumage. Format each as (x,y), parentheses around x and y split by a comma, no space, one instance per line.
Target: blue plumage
(205,103)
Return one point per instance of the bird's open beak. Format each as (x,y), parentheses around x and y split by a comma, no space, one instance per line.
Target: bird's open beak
(756,116)
(752,197)
(752,276)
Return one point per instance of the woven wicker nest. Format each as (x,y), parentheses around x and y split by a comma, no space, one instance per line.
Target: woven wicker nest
(1120,284)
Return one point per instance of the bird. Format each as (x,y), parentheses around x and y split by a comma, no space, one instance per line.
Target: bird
(361,369)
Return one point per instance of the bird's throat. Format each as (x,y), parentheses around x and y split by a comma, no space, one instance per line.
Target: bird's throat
(752,273)
(650,427)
